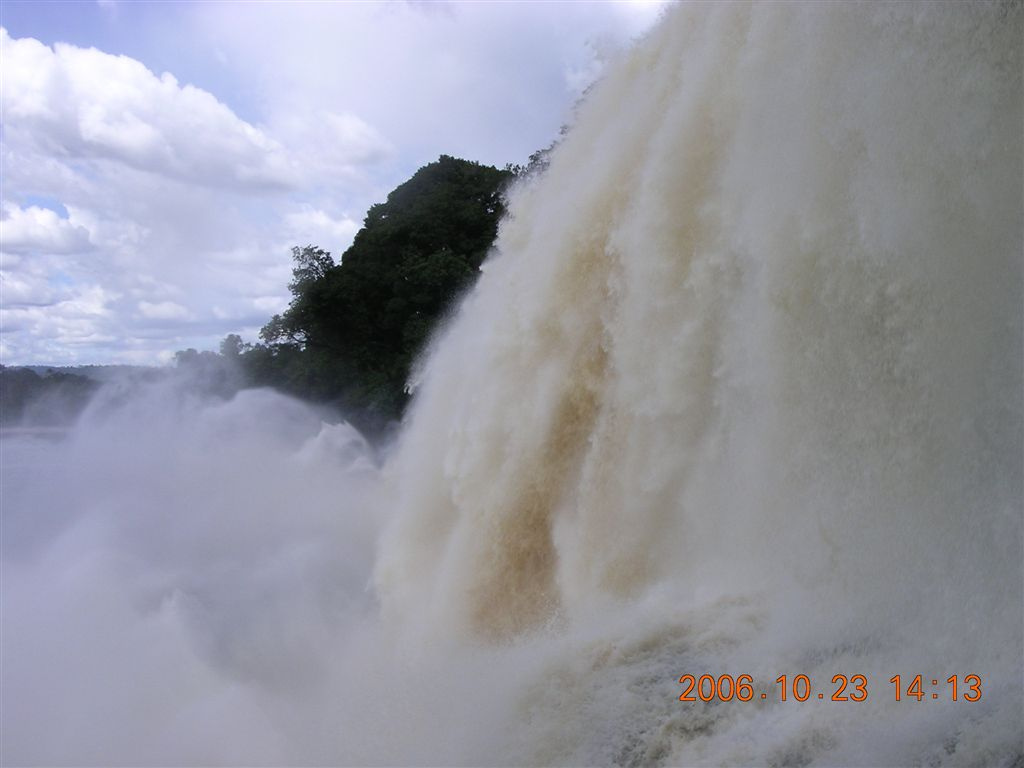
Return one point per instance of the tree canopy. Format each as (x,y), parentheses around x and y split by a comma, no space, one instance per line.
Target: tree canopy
(354,328)
(53,399)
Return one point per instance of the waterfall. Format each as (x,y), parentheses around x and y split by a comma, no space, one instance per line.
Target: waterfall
(737,400)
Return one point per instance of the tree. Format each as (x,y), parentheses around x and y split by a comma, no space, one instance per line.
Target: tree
(353,329)
(231,347)
(186,357)
(214,374)
(54,399)
(302,321)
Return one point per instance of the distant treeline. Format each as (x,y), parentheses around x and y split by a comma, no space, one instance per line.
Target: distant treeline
(52,399)
(354,327)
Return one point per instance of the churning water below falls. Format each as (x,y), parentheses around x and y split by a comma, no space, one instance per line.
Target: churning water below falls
(738,394)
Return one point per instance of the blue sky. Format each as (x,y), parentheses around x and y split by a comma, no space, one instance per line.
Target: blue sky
(159,159)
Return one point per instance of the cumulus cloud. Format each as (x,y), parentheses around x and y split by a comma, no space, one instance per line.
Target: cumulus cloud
(83,103)
(35,229)
(269,304)
(183,209)
(312,225)
(73,320)
(24,290)
(174,205)
(141,165)
(163,310)
(329,144)
(354,138)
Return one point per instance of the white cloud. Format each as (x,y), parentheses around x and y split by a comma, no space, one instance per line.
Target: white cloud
(330,147)
(169,192)
(486,81)
(34,229)
(164,310)
(59,331)
(311,225)
(357,141)
(83,103)
(25,289)
(269,304)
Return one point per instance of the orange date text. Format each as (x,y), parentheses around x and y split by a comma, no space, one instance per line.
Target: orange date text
(841,687)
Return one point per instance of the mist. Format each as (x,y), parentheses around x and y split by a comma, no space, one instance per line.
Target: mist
(172,568)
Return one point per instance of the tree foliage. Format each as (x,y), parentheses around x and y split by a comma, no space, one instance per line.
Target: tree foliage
(54,399)
(353,328)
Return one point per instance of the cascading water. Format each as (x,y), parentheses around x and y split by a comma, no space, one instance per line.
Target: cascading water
(747,364)
(739,393)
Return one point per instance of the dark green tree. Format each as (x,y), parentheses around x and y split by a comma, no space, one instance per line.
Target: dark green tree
(353,329)
(231,347)
(302,322)
(54,399)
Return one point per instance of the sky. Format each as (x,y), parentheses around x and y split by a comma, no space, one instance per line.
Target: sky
(158,160)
